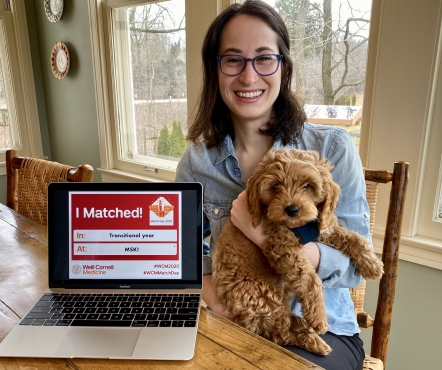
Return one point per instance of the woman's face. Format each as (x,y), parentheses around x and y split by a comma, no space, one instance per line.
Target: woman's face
(249,96)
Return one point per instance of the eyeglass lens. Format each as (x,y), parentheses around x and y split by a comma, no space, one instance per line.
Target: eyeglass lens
(264,64)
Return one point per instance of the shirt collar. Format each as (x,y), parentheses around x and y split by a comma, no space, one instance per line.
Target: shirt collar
(227,149)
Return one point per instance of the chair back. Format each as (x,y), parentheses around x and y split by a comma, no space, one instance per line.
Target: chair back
(390,257)
(28,179)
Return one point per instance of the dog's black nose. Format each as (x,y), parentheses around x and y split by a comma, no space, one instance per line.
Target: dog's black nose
(292,211)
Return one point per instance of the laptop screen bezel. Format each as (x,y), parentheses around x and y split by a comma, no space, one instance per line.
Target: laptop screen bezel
(53,197)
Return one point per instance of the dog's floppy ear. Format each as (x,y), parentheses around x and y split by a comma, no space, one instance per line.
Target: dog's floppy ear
(253,188)
(253,199)
(331,192)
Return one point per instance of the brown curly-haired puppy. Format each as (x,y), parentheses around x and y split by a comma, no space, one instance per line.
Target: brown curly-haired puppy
(289,188)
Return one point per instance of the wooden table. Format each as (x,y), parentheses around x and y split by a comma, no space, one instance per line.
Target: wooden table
(220,343)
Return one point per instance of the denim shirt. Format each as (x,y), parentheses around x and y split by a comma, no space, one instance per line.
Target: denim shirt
(218,170)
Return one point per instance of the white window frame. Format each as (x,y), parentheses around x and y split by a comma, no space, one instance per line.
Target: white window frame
(391,74)
(428,223)
(401,115)
(112,168)
(19,82)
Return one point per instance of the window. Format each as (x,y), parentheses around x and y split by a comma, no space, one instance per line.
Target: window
(430,216)
(439,204)
(5,127)
(396,125)
(401,99)
(403,119)
(329,47)
(152,65)
(149,44)
(149,53)
(19,125)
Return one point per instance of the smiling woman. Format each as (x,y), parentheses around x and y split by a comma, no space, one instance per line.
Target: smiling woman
(244,112)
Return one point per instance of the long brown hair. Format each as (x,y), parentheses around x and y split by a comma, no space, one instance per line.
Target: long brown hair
(212,121)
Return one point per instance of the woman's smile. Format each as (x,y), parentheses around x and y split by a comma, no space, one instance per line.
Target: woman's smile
(249,94)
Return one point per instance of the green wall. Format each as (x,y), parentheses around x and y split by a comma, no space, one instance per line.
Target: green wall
(415,342)
(67,106)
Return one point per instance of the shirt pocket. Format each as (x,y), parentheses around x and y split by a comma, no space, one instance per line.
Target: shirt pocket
(217,214)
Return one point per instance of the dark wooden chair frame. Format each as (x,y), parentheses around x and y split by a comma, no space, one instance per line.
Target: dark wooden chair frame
(390,257)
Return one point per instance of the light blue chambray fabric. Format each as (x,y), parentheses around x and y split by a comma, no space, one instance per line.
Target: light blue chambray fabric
(217,169)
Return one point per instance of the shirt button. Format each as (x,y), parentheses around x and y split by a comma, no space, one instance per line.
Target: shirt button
(216,211)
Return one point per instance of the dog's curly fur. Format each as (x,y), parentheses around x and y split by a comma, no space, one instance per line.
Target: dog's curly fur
(258,284)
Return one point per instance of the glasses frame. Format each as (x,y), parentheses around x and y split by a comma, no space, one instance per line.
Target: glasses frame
(252,60)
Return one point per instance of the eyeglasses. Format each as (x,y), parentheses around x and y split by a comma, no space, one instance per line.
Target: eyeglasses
(264,65)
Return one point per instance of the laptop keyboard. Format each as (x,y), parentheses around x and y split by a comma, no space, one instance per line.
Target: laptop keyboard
(138,310)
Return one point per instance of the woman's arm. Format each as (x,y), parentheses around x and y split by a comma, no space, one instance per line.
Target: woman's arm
(209,298)
(336,269)
(184,173)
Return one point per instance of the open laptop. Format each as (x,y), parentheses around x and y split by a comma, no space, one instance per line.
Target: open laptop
(125,274)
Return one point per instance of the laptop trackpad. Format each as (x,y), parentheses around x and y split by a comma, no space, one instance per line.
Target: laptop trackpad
(97,342)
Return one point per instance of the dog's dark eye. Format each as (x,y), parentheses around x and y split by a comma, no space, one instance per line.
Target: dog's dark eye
(306,186)
(277,185)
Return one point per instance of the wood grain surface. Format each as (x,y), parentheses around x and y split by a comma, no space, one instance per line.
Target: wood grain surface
(220,344)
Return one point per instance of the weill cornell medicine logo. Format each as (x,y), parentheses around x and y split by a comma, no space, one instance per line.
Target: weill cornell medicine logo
(76,269)
(161,212)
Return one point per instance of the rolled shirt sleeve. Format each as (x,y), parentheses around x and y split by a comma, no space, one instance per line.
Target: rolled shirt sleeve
(184,173)
(336,269)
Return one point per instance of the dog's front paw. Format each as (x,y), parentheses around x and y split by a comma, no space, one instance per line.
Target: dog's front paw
(321,326)
(315,344)
(317,320)
(372,268)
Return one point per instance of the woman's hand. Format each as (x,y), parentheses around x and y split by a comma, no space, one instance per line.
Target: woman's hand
(210,298)
(312,253)
(242,219)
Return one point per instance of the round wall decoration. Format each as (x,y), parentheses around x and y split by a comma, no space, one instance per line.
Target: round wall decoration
(60,60)
(53,10)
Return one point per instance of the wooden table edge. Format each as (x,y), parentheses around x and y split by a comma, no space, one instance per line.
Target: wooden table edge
(268,343)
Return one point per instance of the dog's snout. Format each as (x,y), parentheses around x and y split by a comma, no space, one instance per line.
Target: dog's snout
(292,211)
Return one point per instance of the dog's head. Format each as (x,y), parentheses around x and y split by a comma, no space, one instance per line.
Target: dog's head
(292,187)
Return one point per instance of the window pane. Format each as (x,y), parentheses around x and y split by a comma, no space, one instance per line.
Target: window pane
(152,102)
(438,206)
(329,45)
(5,128)
(439,212)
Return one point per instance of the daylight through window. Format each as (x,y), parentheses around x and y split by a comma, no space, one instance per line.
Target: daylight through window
(5,129)
(150,69)
(329,46)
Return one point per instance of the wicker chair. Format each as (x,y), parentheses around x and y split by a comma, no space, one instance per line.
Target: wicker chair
(390,257)
(28,180)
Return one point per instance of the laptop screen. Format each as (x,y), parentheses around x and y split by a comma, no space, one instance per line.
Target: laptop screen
(125,235)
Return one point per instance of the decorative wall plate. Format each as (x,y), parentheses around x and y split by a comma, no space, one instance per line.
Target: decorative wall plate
(54,10)
(60,60)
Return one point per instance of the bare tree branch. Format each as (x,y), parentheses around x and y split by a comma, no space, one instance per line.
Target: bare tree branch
(340,87)
(134,29)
